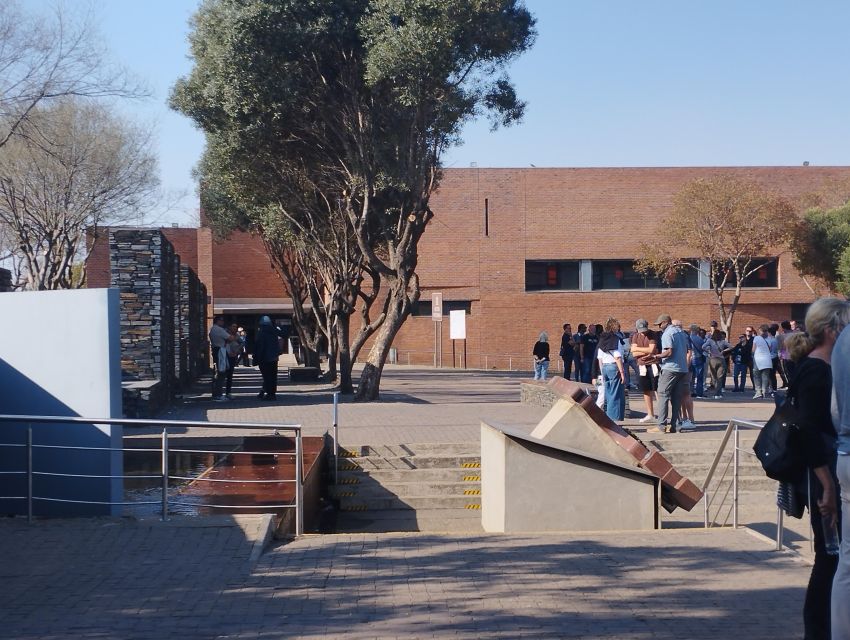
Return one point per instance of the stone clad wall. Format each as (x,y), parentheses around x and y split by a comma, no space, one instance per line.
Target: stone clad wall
(142,264)
(199,358)
(5,280)
(163,313)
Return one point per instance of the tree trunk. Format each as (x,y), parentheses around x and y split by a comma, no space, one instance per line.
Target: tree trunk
(370,379)
(346,384)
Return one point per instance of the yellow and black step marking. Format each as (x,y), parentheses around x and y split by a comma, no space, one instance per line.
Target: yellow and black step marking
(473,506)
(348,481)
(471,465)
(345,494)
(472,478)
(472,492)
(344,453)
(354,507)
(348,466)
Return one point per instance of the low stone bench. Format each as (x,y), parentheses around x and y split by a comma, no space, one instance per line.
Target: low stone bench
(304,374)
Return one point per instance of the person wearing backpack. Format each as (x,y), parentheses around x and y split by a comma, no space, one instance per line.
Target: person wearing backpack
(811,390)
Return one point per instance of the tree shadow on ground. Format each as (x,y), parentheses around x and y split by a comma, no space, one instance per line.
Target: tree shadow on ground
(135,580)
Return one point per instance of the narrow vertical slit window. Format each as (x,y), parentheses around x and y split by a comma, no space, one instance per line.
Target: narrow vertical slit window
(486,217)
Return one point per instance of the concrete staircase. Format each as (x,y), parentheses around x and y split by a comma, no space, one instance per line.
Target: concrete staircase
(409,487)
(692,456)
(437,487)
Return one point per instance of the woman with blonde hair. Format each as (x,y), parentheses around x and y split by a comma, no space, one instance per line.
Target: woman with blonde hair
(541,356)
(610,356)
(811,391)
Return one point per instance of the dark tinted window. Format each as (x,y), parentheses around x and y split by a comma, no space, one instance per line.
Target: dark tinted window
(766,274)
(541,275)
(621,274)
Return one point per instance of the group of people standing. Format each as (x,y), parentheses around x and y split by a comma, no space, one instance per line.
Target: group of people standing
(813,362)
(229,347)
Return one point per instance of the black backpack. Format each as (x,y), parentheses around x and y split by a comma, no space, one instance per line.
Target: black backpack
(779,447)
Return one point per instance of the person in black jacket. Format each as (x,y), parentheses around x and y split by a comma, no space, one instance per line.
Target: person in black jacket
(567,350)
(541,356)
(266,353)
(811,391)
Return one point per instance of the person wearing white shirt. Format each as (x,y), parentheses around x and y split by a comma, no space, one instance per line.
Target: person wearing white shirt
(611,365)
(762,363)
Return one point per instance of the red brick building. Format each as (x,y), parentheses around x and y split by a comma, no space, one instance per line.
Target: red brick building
(525,250)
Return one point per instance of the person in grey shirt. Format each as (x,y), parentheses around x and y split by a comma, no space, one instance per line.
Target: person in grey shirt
(841,419)
(674,369)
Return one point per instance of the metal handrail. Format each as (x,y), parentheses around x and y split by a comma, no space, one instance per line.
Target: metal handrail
(732,431)
(164,425)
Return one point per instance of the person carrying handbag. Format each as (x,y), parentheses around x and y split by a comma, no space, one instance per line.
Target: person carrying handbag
(811,388)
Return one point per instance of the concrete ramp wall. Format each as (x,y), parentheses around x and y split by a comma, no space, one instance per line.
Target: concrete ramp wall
(61,357)
(529,485)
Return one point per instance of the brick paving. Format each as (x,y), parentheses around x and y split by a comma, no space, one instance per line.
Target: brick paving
(144,580)
(418,405)
(138,579)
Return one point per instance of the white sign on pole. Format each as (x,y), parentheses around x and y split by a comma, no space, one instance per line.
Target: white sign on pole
(437,307)
(457,325)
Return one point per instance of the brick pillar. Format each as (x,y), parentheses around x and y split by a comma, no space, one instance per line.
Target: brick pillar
(203,323)
(205,270)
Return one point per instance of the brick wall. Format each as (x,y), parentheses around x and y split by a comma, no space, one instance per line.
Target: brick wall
(563,214)
(540,214)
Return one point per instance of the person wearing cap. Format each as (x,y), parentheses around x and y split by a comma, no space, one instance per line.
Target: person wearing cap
(266,353)
(644,347)
(672,382)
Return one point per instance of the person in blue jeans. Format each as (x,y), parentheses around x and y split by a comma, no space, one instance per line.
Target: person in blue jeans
(739,365)
(613,375)
(541,356)
(587,348)
(697,362)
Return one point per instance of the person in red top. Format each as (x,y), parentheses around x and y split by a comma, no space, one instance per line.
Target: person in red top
(644,346)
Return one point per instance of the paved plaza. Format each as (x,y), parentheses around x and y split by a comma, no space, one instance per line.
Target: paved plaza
(197,578)
(147,581)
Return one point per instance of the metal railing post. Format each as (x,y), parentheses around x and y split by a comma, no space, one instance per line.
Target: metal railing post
(164,474)
(29,472)
(780,527)
(705,499)
(336,436)
(735,482)
(510,363)
(299,486)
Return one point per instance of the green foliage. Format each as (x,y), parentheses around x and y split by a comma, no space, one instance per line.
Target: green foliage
(326,120)
(821,246)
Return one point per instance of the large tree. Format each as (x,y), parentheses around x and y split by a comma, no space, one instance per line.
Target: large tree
(45,57)
(821,246)
(72,167)
(361,96)
(724,228)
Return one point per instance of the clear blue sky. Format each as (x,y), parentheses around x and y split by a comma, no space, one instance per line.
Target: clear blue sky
(608,83)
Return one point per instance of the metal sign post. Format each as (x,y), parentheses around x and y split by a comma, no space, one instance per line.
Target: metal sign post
(437,317)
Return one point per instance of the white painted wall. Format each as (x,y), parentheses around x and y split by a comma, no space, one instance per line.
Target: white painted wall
(60,355)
